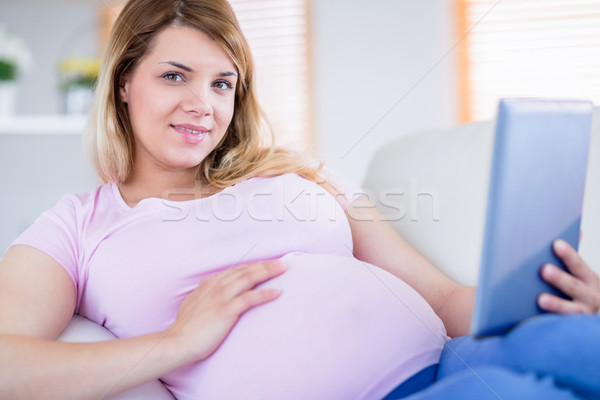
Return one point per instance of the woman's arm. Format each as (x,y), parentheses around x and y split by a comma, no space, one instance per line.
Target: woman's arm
(37,299)
(376,242)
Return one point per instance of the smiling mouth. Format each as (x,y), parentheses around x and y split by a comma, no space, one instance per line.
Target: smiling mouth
(192,131)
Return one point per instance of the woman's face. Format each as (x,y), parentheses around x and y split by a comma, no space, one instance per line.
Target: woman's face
(180,100)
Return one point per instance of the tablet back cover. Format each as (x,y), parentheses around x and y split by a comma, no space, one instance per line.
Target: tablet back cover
(535,196)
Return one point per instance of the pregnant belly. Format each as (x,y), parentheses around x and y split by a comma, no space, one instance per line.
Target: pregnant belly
(342,329)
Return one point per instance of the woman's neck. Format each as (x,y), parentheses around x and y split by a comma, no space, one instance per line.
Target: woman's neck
(175,186)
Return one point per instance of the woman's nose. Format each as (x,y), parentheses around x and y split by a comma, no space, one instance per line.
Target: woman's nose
(197,101)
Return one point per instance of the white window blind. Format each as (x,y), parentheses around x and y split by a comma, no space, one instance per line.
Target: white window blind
(527,48)
(277,32)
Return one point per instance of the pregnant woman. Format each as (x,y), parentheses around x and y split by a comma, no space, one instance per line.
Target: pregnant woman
(227,268)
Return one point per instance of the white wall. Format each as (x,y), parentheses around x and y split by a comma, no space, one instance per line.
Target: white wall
(382,68)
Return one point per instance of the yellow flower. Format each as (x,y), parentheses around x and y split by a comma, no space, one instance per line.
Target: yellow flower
(78,71)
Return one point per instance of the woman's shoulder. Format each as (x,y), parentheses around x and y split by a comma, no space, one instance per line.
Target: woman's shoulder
(82,202)
(59,231)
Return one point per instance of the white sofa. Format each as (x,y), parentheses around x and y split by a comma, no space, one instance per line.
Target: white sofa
(450,169)
(437,181)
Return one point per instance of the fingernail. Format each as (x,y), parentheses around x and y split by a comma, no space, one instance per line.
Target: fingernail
(547,270)
(544,301)
(559,245)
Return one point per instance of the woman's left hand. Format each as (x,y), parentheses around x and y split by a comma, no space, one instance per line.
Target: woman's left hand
(582,284)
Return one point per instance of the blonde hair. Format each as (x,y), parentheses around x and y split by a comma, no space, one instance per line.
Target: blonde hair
(247,148)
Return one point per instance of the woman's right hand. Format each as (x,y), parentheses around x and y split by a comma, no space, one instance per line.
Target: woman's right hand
(208,313)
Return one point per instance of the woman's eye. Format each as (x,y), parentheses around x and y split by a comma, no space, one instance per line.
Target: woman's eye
(173,77)
(222,85)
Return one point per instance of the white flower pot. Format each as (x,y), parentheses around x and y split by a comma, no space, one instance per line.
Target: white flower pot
(78,100)
(8,96)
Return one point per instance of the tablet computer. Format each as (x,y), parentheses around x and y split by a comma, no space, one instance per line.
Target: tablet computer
(535,196)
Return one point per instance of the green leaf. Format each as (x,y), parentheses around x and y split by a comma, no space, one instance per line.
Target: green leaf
(8,71)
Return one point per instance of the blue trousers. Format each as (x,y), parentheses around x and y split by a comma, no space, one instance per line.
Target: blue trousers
(550,357)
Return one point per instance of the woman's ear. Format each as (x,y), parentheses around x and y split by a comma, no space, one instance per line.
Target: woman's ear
(124,90)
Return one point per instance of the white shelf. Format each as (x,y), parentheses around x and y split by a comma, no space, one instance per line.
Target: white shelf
(42,124)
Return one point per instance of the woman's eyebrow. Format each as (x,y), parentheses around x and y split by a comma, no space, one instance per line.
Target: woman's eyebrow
(189,69)
(178,65)
(228,73)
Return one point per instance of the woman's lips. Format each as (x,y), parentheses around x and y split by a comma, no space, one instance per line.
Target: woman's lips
(191,133)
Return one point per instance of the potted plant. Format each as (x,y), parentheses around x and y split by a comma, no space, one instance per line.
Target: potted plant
(14,59)
(77,78)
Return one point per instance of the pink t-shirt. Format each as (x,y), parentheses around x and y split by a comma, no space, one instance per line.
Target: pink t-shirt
(342,329)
